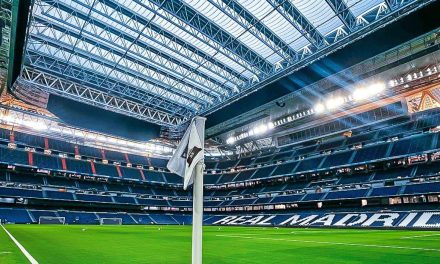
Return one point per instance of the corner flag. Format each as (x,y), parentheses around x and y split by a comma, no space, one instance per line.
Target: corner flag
(189,152)
(187,162)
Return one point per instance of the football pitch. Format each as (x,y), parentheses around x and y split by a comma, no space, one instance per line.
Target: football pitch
(172,244)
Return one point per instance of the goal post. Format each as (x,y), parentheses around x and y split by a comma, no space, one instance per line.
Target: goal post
(54,220)
(110,221)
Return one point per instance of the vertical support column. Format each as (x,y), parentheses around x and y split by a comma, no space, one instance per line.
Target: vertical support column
(30,158)
(126,158)
(63,163)
(142,174)
(92,165)
(11,136)
(118,169)
(197,227)
(103,154)
(76,150)
(46,143)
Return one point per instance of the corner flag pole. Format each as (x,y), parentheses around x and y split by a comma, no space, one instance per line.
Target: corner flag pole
(187,161)
(197,214)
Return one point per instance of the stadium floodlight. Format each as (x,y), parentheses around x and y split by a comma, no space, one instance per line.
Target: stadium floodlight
(260,129)
(230,140)
(334,103)
(392,83)
(361,94)
(319,108)
(270,125)
(376,88)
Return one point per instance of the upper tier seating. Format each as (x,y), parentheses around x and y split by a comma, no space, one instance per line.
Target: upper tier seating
(371,153)
(13,156)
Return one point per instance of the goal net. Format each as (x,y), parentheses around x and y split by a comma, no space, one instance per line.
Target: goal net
(110,221)
(51,220)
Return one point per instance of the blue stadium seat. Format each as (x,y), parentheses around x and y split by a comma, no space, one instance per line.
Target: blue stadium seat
(226,177)
(61,146)
(153,176)
(15,215)
(337,159)
(158,163)
(114,156)
(25,178)
(79,166)
(173,178)
(60,182)
(117,188)
(227,164)
(385,191)
(89,151)
(88,185)
(244,162)
(124,200)
(106,170)
(287,198)
(136,159)
(29,140)
(346,194)
(59,195)
(421,188)
(264,172)
(356,178)
(142,190)
(309,164)
(371,153)
(330,145)
(14,156)
(85,218)
(284,169)
(360,138)
(428,169)
(46,161)
(412,145)
(244,175)
(94,198)
(130,173)
(210,178)
(152,202)
(393,173)
(17,192)
(313,197)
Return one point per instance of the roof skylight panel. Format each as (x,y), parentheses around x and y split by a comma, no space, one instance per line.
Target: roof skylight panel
(319,14)
(358,7)
(56,15)
(218,17)
(83,6)
(214,72)
(273,20)
(197,43)
(173,25)
(107,70)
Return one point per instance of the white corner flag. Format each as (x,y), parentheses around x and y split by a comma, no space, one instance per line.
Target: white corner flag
(187,162)
(189,152)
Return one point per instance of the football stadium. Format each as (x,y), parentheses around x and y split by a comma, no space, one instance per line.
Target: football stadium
(219,131)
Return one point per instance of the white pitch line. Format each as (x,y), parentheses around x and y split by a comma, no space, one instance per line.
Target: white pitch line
(5,252)
(23,250)
(428,235)
(331,243)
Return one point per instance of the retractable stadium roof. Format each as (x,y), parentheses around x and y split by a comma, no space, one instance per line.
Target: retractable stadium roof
(164,61)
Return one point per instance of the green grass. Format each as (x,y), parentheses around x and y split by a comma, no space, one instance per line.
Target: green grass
(172,244)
